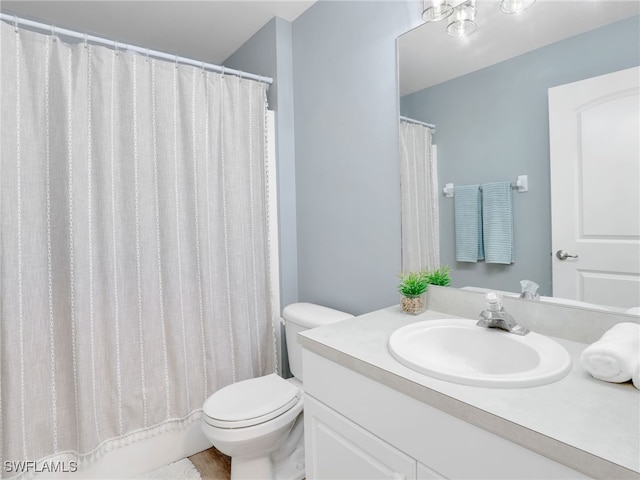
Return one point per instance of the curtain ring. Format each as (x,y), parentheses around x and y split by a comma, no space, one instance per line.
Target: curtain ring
(115,47)
(53,33)
(146,52)
(176,61)
(222,71)
(86,41)
(15,24)
(240,72)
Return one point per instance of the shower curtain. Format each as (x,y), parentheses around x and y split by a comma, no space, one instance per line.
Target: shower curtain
(134,245)
(419,191)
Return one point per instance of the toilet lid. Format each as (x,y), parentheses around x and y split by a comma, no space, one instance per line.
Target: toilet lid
(250,402)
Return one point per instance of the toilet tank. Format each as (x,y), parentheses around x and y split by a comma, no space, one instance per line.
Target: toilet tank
(303,316)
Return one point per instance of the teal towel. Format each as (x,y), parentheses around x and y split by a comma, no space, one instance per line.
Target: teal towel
(468,220)
(497,224)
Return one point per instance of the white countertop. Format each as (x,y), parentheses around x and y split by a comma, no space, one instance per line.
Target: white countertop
(598,423)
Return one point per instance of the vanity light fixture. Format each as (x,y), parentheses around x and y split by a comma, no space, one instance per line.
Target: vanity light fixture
(436,10)
(463,20)
(461,15)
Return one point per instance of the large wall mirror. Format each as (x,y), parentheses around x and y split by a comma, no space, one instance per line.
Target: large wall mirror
(487,96)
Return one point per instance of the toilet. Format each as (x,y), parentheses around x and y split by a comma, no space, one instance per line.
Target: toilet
(258,422)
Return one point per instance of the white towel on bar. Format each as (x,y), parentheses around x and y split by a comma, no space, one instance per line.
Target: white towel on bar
(616,356)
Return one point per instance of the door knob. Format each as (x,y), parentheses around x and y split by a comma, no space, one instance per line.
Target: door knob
(562,255)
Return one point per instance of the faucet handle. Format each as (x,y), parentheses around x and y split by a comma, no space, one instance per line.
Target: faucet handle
(529,290)
(494,301)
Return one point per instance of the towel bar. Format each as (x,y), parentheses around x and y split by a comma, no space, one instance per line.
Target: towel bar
(522,185)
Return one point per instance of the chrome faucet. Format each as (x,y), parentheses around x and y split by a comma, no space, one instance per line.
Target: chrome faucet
(495,317)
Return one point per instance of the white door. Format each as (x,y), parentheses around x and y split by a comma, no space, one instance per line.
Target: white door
(594,129)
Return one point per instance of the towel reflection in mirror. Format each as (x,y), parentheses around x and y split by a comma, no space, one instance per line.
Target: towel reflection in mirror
(484,223)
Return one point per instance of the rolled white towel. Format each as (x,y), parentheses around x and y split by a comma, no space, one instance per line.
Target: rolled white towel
(615,357)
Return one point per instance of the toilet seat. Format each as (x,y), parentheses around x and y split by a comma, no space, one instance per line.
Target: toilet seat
(250,402)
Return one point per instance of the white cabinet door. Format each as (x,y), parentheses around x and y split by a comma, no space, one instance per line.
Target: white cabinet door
(337,448)
(595,193)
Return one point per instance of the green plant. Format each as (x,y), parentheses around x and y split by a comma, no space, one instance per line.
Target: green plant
(439,276)
(413,284)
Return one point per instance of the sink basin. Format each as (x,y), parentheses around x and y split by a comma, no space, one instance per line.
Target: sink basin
(459,351)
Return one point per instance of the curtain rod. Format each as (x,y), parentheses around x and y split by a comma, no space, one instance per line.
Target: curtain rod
(418,122)
(16,21)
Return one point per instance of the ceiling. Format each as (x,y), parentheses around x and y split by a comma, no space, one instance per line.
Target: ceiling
(428,56)
(203,30)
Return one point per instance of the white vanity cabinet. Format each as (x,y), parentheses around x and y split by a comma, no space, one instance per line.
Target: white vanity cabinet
(357,428)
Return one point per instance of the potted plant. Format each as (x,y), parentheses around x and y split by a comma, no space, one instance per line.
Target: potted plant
(413,287)
(439,276)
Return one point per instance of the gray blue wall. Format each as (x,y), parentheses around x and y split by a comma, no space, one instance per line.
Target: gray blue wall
(492,125)
(339,191)
(268,53)
(346,143)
